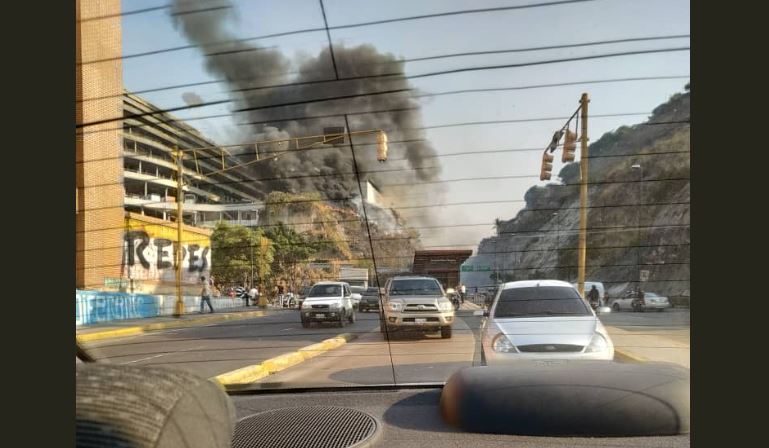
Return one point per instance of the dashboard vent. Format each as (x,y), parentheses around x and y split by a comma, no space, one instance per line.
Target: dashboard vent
(306,427)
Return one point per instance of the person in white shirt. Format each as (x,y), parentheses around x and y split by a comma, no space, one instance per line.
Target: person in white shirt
(254,293)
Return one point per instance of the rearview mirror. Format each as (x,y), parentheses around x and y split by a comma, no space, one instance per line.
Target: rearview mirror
(603,310)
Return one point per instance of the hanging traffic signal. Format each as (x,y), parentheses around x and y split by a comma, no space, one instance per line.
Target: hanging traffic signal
(547,166)
(569,146)
(381,148)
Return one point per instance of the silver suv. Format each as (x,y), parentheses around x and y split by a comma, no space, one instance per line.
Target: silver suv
(416,303)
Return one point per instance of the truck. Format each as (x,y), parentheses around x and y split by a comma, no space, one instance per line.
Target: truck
(415,303)
(355,277)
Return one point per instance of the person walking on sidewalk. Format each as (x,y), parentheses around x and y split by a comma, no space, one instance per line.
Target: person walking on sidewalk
(254,294)
(205,295)
(462,291)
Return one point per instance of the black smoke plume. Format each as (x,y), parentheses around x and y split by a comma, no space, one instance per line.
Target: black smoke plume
(247,66)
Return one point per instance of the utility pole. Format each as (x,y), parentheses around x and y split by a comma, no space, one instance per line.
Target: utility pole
(179,308)
(583,161)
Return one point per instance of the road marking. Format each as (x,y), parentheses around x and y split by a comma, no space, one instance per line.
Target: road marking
(286,329)
(164,354)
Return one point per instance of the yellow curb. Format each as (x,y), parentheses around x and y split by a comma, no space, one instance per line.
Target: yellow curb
(118,333)
(626,356)
(282,362)
(251,374)
(247,374)
(132,331)
(313,350)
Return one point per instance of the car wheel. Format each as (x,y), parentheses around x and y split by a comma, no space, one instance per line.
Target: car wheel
(352,317)
(446,332)
(342,317)
(305,323)
(615,307)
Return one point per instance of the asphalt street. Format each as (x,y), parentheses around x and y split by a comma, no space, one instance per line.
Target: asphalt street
(369,359)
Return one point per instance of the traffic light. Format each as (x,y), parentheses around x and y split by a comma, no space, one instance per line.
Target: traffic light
(547,166)
(381,147)
(569,146)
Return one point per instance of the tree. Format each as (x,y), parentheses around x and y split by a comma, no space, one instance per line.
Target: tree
(291,250)
(239,254)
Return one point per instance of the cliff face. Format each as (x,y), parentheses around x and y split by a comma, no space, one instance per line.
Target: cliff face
(638,217)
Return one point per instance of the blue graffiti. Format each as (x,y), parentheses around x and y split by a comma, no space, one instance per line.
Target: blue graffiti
(95,306)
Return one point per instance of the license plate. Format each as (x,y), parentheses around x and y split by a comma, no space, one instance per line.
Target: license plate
(320,315)
(420,321)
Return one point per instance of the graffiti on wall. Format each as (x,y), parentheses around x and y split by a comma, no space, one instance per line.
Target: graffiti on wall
(154,258)
(97,306)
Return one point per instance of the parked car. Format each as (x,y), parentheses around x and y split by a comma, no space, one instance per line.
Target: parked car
(417,303)
(369,300)
(542,319)
(328,302)
(633,300)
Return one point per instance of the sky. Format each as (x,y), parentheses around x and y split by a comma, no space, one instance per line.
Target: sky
(597,20)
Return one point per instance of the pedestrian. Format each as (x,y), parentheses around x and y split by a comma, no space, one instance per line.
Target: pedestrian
(594,297)
(241,293)
(254,294)
(205,295)
(462,291)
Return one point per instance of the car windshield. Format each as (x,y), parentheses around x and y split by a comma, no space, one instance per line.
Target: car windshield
(307,149)
(417,287)
(540,301)
(325,291)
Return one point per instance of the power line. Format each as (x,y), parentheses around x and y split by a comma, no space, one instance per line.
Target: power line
(353,25)
(152,9)
(452,92)
(422,75)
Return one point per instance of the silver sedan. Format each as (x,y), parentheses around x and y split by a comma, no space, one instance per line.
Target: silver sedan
(542,319)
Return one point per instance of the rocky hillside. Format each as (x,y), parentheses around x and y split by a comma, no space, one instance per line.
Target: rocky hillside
(638,217)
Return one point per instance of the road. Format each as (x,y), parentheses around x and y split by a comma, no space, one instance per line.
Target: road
(222,347)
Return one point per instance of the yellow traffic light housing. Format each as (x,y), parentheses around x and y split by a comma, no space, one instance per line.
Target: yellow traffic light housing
(547,166)
(381,148)
(569,146)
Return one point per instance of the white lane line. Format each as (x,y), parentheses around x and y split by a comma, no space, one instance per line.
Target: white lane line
(163,354)
(286,329)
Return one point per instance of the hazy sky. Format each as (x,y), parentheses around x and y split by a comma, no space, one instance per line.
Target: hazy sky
(554,25)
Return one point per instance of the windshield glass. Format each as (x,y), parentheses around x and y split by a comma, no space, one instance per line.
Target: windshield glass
(415,288)
(234,157)
(325,291)
(540,301)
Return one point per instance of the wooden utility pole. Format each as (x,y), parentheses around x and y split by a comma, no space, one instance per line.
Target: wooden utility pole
(582,255)
(179,308)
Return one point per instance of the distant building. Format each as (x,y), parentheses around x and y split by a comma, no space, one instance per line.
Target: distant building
(441,264)
(149,171)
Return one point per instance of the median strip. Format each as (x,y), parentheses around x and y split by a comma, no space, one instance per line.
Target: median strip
(256,372)
(139,329)
(625,356)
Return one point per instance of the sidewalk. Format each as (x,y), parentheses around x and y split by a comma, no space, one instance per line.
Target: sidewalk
(651,345)
(133,327)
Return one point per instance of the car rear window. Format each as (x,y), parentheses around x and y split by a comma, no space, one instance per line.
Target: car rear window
(540,301)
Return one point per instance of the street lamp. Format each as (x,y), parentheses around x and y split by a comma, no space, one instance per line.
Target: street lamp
(639,168)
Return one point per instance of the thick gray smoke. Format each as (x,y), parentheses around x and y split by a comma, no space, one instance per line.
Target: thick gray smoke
(247,66)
